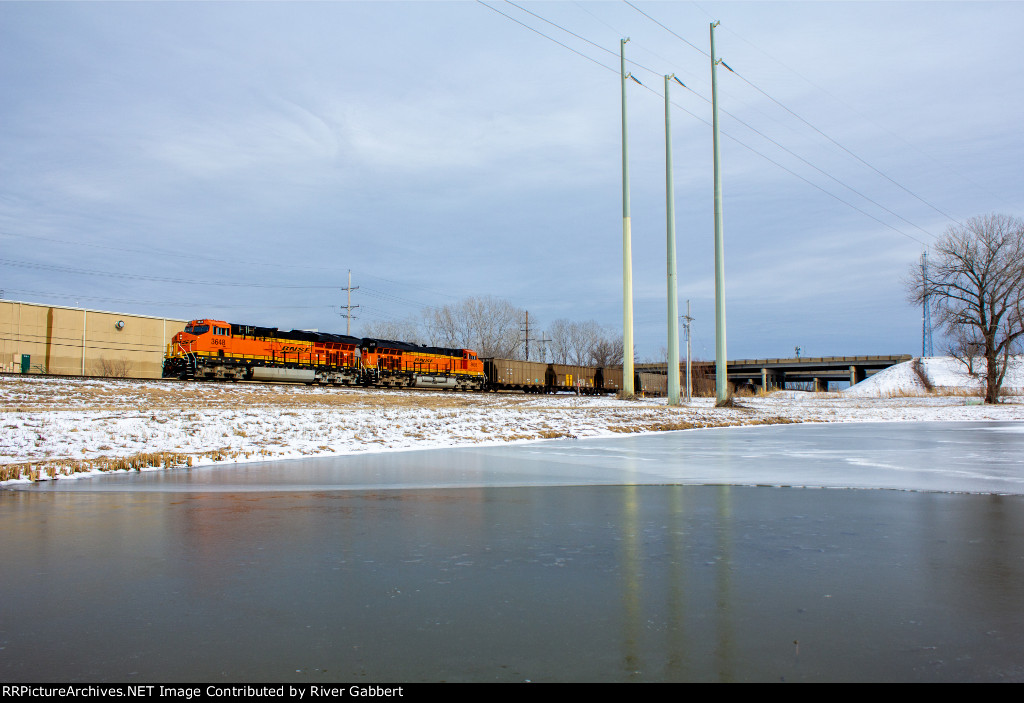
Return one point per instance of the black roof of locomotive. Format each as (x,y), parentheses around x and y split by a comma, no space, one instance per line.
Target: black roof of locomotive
(295,335)
(370,342)
(365,342)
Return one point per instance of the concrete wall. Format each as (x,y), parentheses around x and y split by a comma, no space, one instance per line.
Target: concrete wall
(75,341)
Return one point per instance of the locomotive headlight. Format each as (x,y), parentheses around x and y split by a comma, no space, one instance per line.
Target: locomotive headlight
(119,324)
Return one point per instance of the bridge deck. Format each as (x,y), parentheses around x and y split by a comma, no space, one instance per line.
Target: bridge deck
(776,373)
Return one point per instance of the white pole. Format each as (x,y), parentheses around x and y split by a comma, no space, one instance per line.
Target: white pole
(672,364)
(721,372)
(627,246)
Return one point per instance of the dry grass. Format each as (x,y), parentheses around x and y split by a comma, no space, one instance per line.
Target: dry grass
(935,392)
(66,467)
(147,397)
(54,468)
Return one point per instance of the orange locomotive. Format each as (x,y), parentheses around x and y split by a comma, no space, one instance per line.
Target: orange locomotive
(397,364)
(213,349)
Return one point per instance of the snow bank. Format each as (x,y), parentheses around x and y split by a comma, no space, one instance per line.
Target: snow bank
(944,373)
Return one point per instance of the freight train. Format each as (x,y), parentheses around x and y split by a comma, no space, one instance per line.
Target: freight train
(217,350)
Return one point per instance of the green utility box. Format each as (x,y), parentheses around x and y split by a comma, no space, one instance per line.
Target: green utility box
(26,363)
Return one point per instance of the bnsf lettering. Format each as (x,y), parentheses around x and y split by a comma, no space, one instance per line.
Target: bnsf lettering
(288,348)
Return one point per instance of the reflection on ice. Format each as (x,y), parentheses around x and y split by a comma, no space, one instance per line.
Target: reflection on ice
(330,567)
(591,583)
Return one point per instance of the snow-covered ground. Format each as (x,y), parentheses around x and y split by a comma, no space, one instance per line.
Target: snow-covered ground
(54,427)
(944,373)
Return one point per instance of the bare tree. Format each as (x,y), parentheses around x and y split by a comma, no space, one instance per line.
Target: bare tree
(609,350)
(113,368)
(975,285)
(487,325)
(585,336)
(408,330)
(560,333)
(584,343)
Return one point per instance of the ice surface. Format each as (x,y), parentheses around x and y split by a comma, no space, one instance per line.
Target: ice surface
(946,457)
(80,426)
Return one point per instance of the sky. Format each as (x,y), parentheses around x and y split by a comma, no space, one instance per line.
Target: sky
(235,160)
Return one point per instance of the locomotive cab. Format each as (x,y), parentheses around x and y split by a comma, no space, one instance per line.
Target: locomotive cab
(200,338)
(208,329)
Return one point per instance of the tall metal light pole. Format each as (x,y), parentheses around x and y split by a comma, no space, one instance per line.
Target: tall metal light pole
(627,245)
(670,241)
(721,372)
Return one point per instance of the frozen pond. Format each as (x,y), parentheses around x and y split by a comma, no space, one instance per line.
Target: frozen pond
(597,560)
(954,457)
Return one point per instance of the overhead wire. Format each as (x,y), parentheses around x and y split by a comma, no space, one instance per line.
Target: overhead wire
(852,108)
(792,153)
(523,24)
(132,301)
(858,158)
(799,117)
(735,139)
(334,269)
(158,279)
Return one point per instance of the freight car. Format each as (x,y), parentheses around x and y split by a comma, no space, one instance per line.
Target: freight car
(579,379)
(651,384)
(539,377)
(513,375)
(217,350)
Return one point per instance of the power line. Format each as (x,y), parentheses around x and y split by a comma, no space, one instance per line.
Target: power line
(523,24)
(156,279)
(792,153)
(741,143)
(680,38)
(165,303)
(166,254)
(816,168)
(191,257)
(851,108)
(876,170)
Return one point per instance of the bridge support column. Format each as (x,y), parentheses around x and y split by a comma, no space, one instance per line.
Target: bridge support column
(820,385)
(857,374)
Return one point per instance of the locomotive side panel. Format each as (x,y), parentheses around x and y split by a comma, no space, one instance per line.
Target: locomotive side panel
(400,364)
(213,349)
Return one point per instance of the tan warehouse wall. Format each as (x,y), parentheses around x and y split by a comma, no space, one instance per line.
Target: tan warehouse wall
(75,341)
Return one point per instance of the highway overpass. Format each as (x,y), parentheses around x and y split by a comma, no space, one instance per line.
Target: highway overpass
(777,373)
